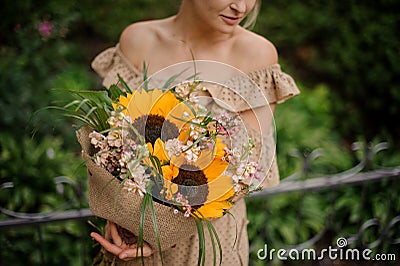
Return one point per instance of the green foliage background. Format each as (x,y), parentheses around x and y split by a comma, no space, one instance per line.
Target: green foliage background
(343,55)
(354,47)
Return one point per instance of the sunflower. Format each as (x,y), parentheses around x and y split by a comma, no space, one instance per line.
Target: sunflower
(160,116)
(203,183)
(155,114)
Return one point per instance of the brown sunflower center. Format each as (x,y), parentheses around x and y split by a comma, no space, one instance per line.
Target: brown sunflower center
(154,127)
(193,185)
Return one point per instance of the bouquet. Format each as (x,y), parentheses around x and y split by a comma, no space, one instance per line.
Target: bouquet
(159,156)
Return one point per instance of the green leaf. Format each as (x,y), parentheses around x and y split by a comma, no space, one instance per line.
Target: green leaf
(115,92)
(156,163)
(145,78)
(124,85)
(97,97)
(171,79)
(90,107)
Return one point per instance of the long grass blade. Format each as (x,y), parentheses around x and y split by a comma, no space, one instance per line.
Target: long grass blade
(107,184)
(141,225)
(202,246)
(212,243)
(124,84)
(83,103)
(236,228)
(145,78)
(82,119)
(156,231)
(210,226)
(120,187)
(72,103)
(90,107)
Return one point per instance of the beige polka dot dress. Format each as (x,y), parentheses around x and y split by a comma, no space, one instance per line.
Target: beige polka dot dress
(276,86)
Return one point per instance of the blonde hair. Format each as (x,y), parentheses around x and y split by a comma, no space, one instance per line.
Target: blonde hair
(252,16)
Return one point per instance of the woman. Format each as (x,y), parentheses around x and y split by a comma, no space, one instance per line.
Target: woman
(203,30)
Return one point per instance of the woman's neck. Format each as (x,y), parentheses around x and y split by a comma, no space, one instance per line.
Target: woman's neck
(192,30)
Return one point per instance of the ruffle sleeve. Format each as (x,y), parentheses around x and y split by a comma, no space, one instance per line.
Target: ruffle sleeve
(110,63)
(269,85)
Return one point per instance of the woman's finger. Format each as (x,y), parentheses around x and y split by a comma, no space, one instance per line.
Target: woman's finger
(107,235)
(133,252)
(114,249)
(116,238)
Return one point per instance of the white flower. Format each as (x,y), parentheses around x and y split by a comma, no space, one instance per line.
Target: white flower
(240,169)
(237,188)
(139,181)
(114,138)
(173,147)
(192,151)
(138,173)
(142,151)
(236,178)
(102,158)
(113,121)
(97,139)
(130,185)
(195,130)
(182,90)
(193,98)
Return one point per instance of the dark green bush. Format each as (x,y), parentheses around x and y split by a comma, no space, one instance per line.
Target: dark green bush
(353,47)
(36,147)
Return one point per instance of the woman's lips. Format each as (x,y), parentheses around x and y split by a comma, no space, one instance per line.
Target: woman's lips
(230,20)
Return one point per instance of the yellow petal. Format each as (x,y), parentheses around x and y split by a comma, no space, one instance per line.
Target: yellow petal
(174,188)
(219,149)
(159,151)
(214,209)
(215,169)
(168,172)
(150,147)
(141,102)
(172,109)
(163,104)
(220,188)
(154,96)
(122,102)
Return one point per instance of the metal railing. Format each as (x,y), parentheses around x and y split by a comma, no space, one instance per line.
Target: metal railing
(386,228)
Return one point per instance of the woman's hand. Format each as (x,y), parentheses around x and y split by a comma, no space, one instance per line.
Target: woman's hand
(114,244)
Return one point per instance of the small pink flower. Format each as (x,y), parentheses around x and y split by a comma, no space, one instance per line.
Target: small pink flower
(46,28)
(188,210)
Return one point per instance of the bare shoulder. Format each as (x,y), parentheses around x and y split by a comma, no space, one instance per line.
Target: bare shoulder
(137,39)
(257,48)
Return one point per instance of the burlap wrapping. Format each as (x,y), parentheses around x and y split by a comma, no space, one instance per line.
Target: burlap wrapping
(126,208)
